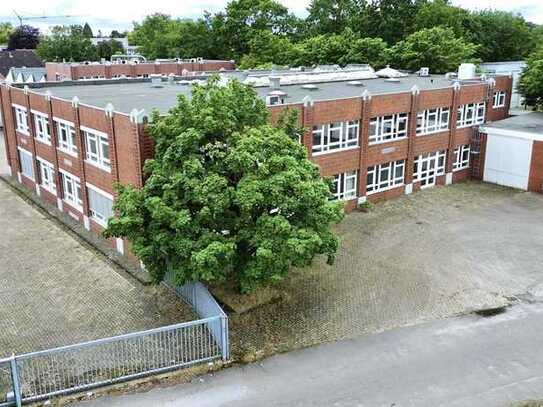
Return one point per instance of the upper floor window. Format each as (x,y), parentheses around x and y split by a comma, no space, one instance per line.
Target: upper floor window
(66,137)
(385,176)
(335,136)
(461,157)
(47,175)
(499,99)
(43,130)
(433,120)
(470,114)
(27,163)
(344,185)
(387,128)
(100,205)
(97,148)
(71,188)
(21,119)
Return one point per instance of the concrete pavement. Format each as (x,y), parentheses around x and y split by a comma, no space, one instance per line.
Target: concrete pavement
(465,361)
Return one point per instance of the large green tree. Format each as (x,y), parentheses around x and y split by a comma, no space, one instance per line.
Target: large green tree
(105,49)
(440,13)
(330,16)
(24,37)
(67,43)
(437,48)
(228,196)
(155,36)
(5,31)
(531,81)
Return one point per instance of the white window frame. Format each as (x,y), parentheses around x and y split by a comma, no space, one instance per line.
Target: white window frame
(74,199)
(461,157)
(377,182)
(442,118)
(68,146)
(384,129)
(101,141)
(346,137)
(499,99)
(47,175)
(42,127)
(428,167)
(98,217)
(340,182)
(29,154)
(21,119)
(470,114)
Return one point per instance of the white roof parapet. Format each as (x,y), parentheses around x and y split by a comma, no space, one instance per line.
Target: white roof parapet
(415,90)
(75,101)
(136,116)
(48,95)
(308,101)
(457,85)
(366,95)
(26,89)
(491,81)
(109,110)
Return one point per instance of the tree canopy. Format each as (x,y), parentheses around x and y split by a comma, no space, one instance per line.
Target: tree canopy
(228,196)
(531,81)
(24,37)
(5,31)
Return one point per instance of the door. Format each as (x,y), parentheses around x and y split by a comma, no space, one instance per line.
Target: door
(507,161)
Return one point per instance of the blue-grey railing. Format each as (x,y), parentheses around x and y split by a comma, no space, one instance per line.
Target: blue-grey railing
(39,375)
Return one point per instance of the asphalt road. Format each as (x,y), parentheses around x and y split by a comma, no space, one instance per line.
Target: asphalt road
(465,361)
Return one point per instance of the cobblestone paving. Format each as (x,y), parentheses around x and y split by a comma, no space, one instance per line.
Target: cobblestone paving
(430,255)
(54,291)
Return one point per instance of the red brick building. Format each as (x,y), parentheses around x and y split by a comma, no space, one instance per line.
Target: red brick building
(379,138)
(62,71)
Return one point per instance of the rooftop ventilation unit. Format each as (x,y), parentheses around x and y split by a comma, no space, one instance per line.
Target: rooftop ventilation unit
(310,86)
(392,80)
(275,82)
(466,71)
(425,71)
(156,80)
(356,83)
(276,97)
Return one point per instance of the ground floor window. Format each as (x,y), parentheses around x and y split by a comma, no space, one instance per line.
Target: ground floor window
(47,175)
(72,190)
(27,165)
(385,176)
(461,157)
(344,185)
(428,167)
(100,205)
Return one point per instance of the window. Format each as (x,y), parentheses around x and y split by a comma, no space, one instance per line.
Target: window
(387,128)
(433,120)
(72,190)
(499,99)
(100,205)
(47,175)
(335,136)
(43,130)
(470,114)
(344,186)
(21,119)
(385,176)
(97,148)
(428,167)
(27,165)
(461,157)
(66,137)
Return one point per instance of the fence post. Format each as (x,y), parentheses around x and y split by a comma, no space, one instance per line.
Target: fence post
(15,381)
(224,338)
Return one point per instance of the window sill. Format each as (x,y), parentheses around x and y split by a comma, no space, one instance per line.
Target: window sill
(100,167)
(47,143)
(460,169)
(23,133)
(498,107)
(432,133)
(74,206)
(339,150)
(51,191)
(376,143)
(384,189)
(70,153)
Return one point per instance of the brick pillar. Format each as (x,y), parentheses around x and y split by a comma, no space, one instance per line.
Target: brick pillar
(411,138)
(363,140)
(457,90)
(132,70)
(107,71)
(32,131)
(109,111)
(12,147)
(54,144)
(4,93)
(307,122)
(478,154)
(81,161)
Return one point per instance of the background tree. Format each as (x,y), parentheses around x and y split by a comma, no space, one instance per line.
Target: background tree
(67,43)
(437,48)
(227,196)
(531,81)
(117,34)
(24,37)
(105,49)
(5,31)
(440,13)
(156,36)
(87,31)
(329,16)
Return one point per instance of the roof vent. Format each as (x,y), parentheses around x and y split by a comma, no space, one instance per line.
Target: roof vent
(425,71)
(275,82)
(156,80)
(310,86)
(392,80)
(356,83)
(276,97)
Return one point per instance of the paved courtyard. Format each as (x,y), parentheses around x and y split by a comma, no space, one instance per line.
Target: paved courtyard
(430,255)
(55,291)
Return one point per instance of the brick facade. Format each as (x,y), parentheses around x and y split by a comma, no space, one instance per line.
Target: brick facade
(129,145)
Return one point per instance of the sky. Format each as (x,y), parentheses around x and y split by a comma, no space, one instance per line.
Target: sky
(110,14)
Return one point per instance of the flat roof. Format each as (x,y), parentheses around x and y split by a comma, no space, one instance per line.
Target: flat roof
(129,94)
(526,123)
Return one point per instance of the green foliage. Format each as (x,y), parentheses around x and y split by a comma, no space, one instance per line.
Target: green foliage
(437,48)
(67,43)
(155,36)
(87,31)
(366,207)
(227,196)
(24,37)
(5,31)
(531,81)
(440,13)
(106,49)
(329,16)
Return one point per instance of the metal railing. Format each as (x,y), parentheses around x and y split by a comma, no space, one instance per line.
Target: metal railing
(39,375)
